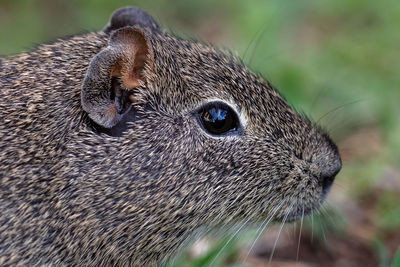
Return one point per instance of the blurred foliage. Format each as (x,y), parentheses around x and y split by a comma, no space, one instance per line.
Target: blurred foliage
(336,61)
(220,254)
(396,259)
(383,253)
(388,211)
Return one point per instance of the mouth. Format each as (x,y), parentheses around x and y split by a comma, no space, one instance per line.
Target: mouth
(294,216)
(297,213)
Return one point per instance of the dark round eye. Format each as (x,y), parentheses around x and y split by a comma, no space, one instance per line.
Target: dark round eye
(218,118)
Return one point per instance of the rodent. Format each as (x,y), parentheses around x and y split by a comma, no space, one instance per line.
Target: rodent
(117,147)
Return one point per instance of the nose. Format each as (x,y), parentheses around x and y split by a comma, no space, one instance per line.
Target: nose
(332,166)
(328,176)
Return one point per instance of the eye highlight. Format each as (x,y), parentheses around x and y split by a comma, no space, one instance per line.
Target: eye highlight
(218,118)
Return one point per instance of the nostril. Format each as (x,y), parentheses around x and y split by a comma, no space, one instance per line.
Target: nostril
(329,173)
(327,183)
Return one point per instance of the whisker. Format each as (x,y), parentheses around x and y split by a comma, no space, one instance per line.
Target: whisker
(294,230)
(337,218)
(230,239)
(279,232)
(344,124)
(322,230)
(171,264)
(257,43)
(268,220)
(301,228)
(256,37)
(322,90)
(327,213)
(338,108)
(340,186)
(312,226)
(259,37)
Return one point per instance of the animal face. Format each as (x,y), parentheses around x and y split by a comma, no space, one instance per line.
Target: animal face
(221,135)
(271,160)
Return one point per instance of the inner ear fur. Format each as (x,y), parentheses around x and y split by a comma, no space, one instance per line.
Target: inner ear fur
(128,57)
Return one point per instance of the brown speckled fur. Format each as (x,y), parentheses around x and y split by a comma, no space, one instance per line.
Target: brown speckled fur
(71,195)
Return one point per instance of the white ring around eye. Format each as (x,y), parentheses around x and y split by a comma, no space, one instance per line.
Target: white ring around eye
(240,115)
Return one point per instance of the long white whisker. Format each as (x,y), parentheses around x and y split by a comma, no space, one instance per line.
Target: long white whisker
(279,232)
(294,229)
(301,228)
(312,226)
(171,264)
(230,239)
(327,214)
(262,228)
(323,229)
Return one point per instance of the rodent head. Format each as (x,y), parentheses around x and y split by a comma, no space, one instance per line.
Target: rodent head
(157,100)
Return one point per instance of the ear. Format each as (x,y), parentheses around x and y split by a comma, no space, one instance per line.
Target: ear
(128,57)
(130,16)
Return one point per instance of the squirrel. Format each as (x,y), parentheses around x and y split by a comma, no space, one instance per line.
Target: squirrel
(118,147)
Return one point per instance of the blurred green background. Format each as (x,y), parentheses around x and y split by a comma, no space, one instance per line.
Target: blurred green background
(336,61)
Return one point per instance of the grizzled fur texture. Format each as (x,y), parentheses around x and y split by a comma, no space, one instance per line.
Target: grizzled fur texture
(73,192)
